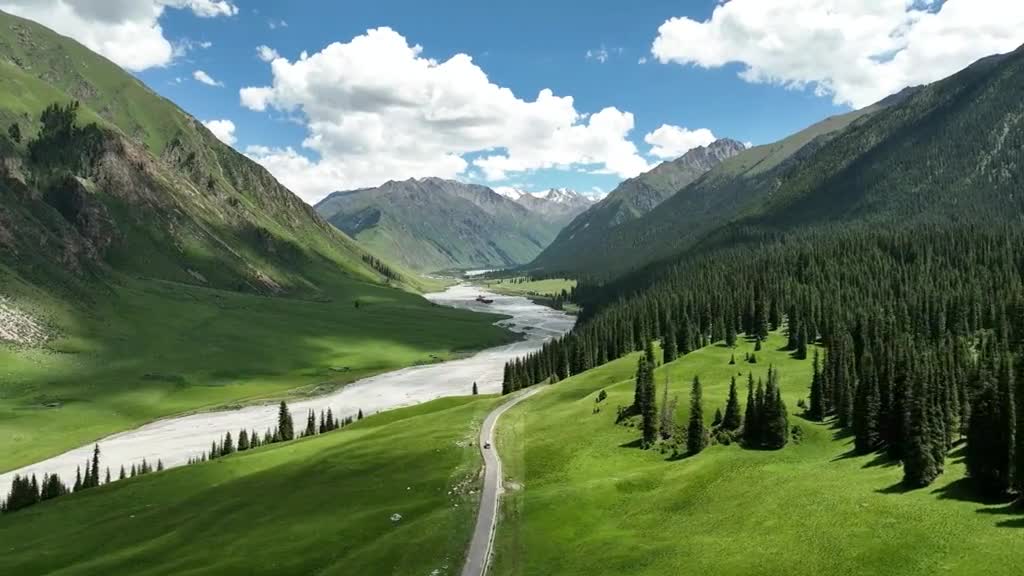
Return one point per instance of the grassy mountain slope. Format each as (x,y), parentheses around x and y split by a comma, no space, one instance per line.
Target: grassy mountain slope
(433,224)
(317,506)
(152,270)
(165,197)
(809,508)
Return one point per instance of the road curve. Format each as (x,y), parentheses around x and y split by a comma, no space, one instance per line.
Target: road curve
(479,555)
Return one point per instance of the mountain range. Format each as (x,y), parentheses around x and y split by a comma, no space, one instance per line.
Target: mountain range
(577,246)
(432,224)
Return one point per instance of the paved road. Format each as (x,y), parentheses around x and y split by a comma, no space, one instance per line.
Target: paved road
(486,520)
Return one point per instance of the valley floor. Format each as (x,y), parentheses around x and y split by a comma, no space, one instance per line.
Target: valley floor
(148,349)
(585,500)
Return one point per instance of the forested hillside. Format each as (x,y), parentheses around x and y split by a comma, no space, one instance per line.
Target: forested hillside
(896,246)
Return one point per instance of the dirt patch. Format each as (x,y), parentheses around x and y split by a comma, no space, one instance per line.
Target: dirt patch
(20,327)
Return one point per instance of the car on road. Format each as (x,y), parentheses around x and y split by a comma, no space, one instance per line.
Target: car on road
(487,445)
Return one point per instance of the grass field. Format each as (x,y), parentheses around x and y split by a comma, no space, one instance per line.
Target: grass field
(586,501)
(151,349)
(550,287)
(317,506)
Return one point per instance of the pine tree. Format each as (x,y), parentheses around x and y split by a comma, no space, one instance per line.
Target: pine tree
(668,411)
(919,466)
(671,349)
(285,427)
(243,440)
(696,437)
(775,420)
(751,419)
(94,474)
(78,479)
(14,131)
(360,415)
(228,447)
(716,422)
(732,420)
(310,424)
(816,411)
(867,408)
(476,391)
(122,475)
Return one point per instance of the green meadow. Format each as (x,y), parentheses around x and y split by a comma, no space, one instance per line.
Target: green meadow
(322,505)
(143,350)
(584,500)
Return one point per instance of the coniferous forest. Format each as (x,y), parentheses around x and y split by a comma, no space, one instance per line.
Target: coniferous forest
(923,332)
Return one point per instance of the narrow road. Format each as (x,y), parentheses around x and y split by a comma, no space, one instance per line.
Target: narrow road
(487,517)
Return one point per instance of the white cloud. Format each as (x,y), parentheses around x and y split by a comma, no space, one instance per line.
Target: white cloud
(266,53)
(377,109)
(673,141)
(125,31)
(224,130)
(857,51)
(205,78)
(601,55)
(275,24)
(642,60)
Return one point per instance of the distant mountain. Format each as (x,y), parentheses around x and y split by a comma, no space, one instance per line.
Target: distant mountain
(432,224)
(573,250)
(128,182)
(559,205)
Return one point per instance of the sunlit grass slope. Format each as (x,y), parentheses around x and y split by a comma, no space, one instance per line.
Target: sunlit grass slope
(317,506)
(587,501)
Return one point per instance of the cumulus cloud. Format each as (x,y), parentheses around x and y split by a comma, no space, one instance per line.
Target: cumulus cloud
(673,141)
(377,109)
(224,130)
(266,53)
(205,78)
(857,52)
(126,31)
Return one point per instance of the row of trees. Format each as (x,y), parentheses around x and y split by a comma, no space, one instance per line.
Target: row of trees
(27,490)
(923,327)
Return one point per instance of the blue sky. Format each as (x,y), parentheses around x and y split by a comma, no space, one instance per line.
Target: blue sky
(514,47)
(401,101)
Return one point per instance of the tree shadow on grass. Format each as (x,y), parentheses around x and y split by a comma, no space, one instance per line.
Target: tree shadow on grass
(897,488)
(638,443)
(963,491)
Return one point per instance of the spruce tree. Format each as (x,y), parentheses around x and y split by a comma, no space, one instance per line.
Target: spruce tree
(243,440)
(750,416)
(285,427)
(476,391)
(696,437)
(732,420)
(867,407)
(816,411)
(919,466)
(775,420)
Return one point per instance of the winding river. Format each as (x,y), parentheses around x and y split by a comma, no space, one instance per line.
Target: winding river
(175,440)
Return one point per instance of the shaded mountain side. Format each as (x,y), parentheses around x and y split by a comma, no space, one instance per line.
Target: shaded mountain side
(717,197)
(155,194)
(432,224)
(940,160)
(573,249)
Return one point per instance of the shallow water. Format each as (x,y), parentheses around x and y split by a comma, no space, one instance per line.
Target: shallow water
(175,440)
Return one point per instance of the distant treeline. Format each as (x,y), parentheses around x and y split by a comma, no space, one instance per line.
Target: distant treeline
(385,270)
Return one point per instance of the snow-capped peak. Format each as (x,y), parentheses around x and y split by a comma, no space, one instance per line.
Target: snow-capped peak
(561,195)
(509,192)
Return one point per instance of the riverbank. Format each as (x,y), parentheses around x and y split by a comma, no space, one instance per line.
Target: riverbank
(175,440)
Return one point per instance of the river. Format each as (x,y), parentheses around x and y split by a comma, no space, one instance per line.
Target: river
(175,440)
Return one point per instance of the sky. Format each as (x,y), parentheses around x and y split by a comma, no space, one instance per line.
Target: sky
(335,95)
